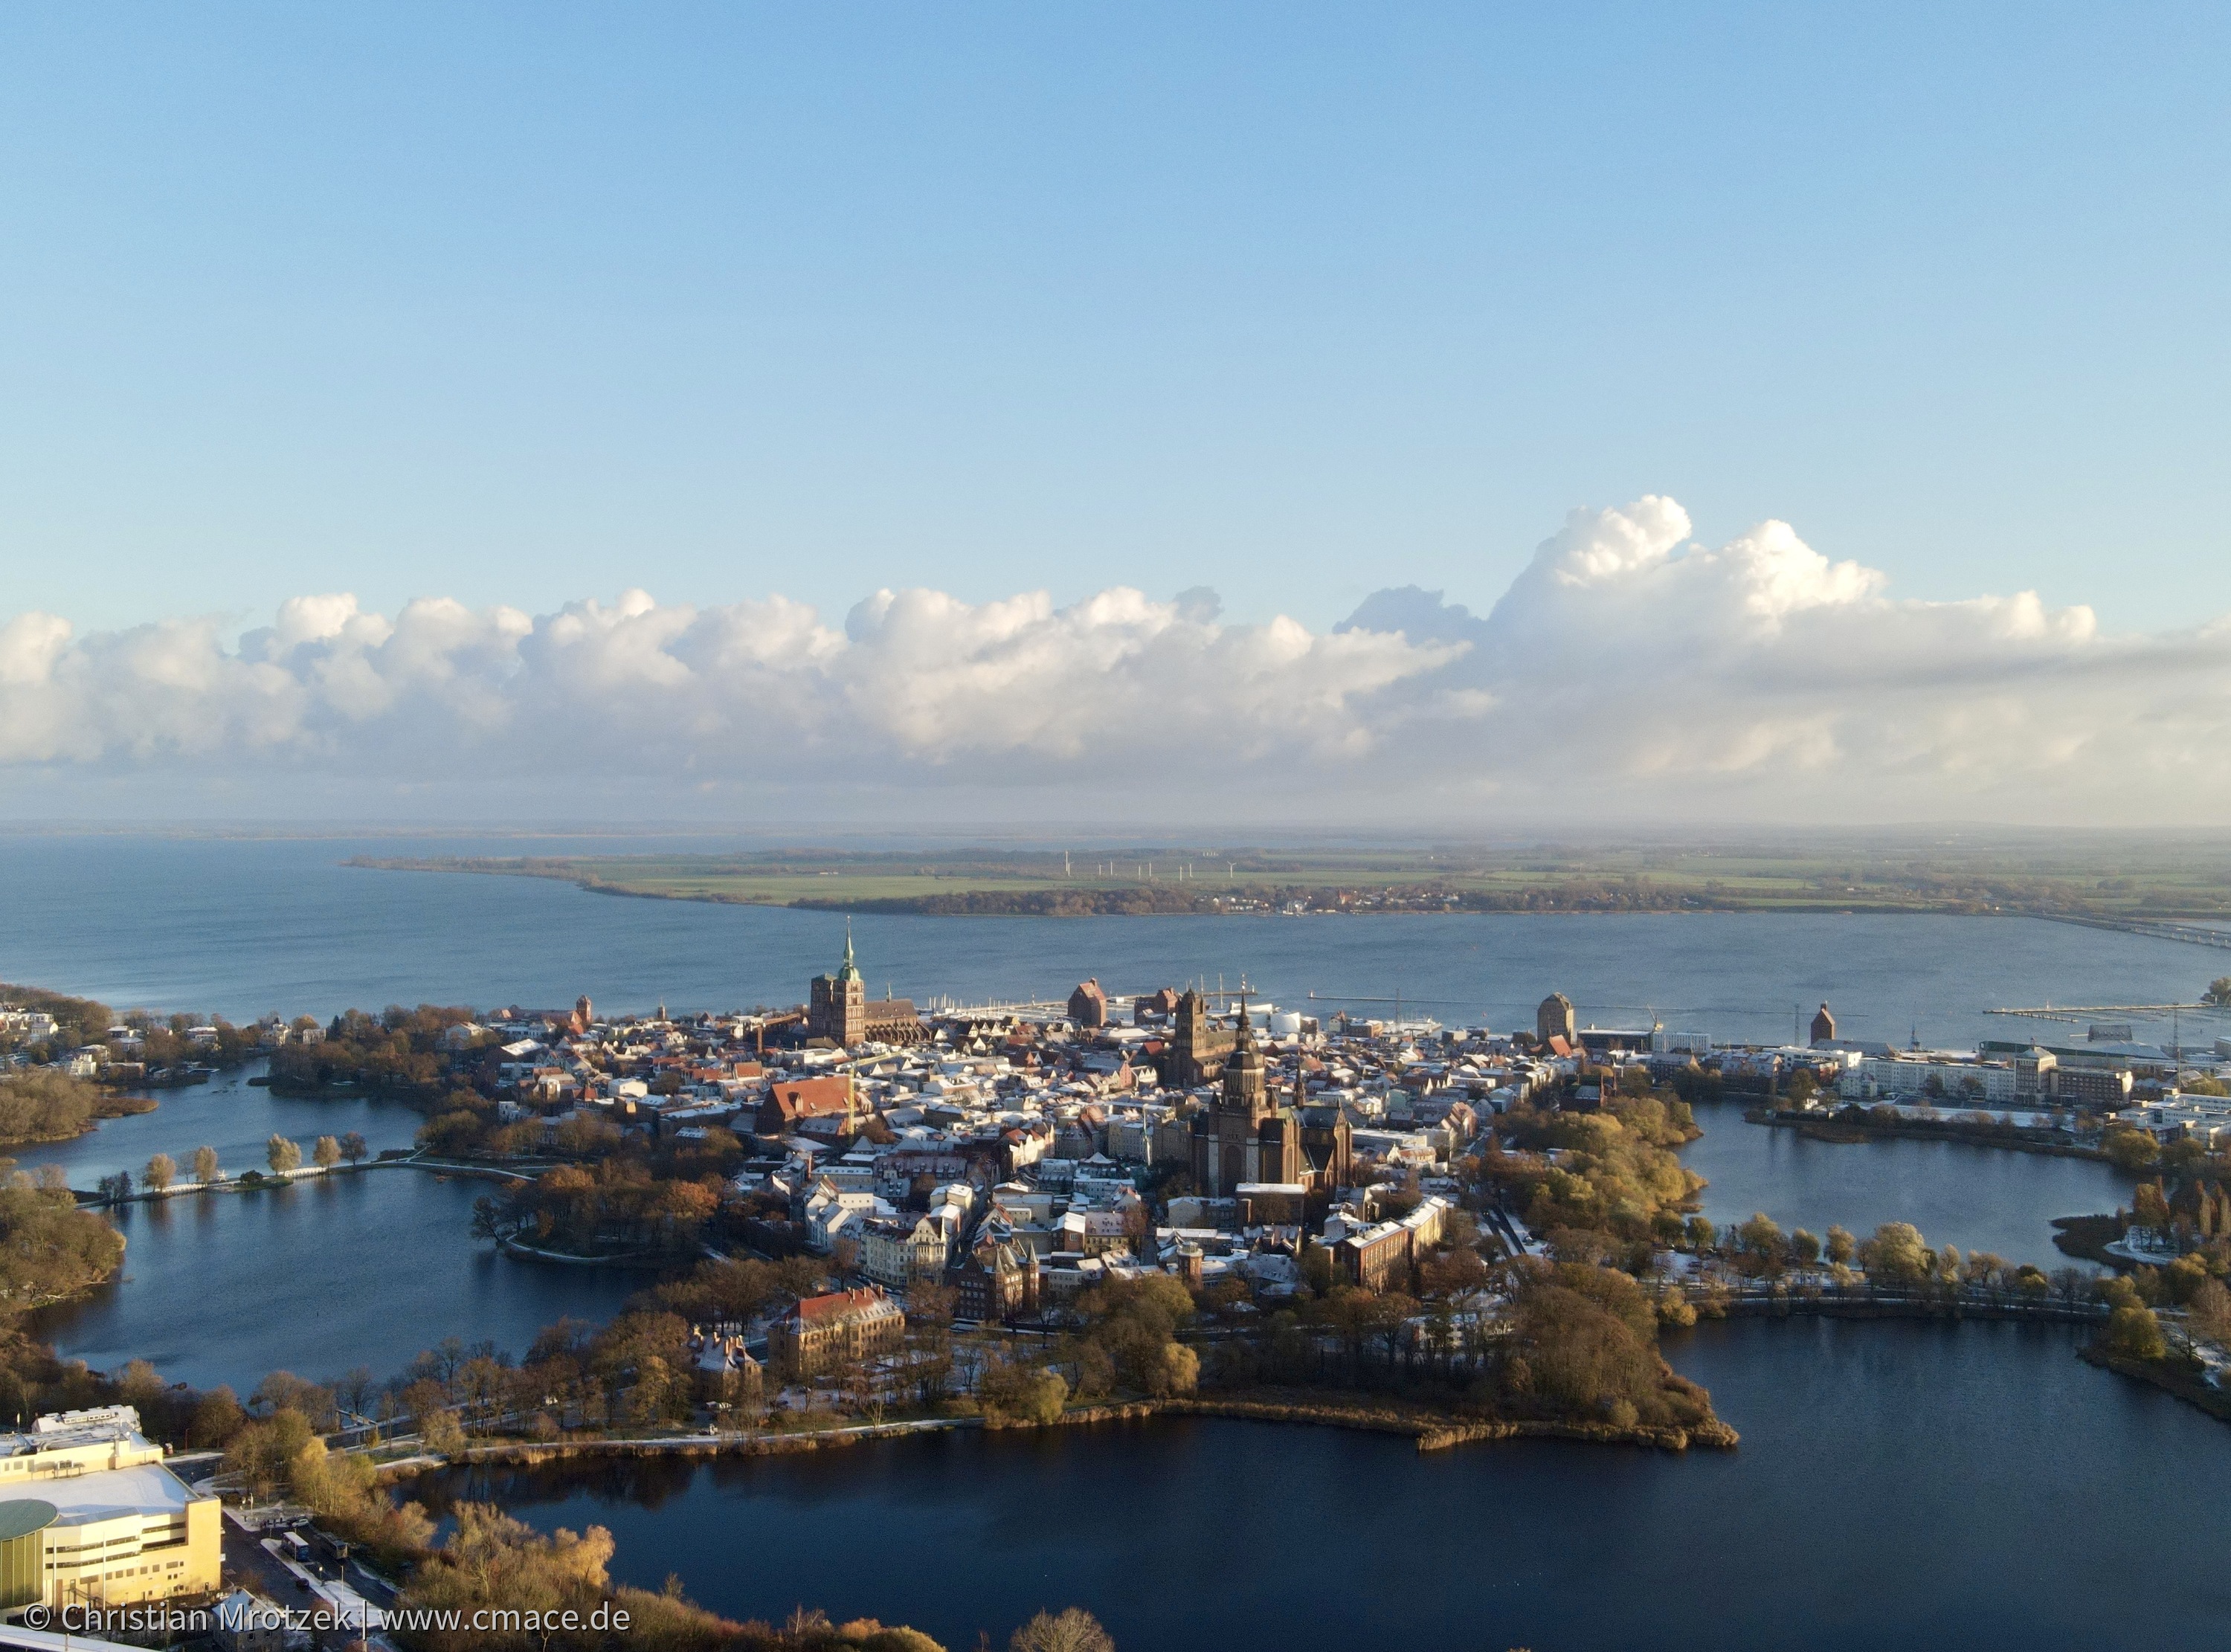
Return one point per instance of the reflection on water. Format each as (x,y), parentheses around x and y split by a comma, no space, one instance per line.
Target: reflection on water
(228,1114)
(1978,1198)
(316,1277)
(1890,1491)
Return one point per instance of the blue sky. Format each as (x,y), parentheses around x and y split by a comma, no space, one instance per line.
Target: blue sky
(531,303)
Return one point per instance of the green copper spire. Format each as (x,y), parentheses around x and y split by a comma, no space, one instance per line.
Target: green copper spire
(849,971)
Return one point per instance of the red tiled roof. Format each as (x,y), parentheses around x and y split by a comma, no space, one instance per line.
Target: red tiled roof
(837,1304)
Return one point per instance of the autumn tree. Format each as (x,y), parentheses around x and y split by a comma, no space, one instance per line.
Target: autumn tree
(1134,1321)
(217,1417)
(2207,1316)
(50,1248)
(262,1450)
(2134,1332)
(205,1166)
(1897,1254)
(282,1390)
(2129,1148)
(1015,1391)
(493,1560)
(2148,1206)
(44,1104)
(1764,1247)
(1073,1630)
(327,1154)
(1583,1346)
(441,1432)
(162,1170)
(283,1155)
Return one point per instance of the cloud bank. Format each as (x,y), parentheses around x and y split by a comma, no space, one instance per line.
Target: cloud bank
(1628,672)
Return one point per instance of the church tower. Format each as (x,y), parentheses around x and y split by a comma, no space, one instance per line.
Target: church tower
(1244,1136)
(1246,1077)
(1196,1047)
(837,1009)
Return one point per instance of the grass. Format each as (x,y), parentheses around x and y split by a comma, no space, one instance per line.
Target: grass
(2126,875)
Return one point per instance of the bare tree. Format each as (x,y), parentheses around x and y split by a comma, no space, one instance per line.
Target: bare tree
(1073,1630)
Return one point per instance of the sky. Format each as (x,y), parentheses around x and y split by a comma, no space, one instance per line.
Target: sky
(941,357)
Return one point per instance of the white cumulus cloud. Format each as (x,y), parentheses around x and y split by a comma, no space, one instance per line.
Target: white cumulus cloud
(1628,671)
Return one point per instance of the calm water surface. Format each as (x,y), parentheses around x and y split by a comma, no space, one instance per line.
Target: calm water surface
(228,1114)
(368,1269)
(316,1277)
(1897,1485)
(242,927)
(1978,1198)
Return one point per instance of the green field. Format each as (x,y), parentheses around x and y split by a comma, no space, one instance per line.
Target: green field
(2100,875)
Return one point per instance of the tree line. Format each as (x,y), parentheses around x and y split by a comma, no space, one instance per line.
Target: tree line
(282,1153)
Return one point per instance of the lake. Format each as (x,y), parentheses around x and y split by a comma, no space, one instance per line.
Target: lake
(228,1114)
(244,926)
(214,1290)
(1898,1485)
(1978,1198)
(317,1277)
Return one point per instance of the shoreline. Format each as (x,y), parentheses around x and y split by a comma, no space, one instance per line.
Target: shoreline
(101,1116)
(1431,1432)
(270,1179)
(2177,1385)
(1123,903)
(638,1260)
(1835,1132)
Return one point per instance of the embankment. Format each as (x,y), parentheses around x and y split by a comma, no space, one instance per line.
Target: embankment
(1433,1430)
(2168,1375)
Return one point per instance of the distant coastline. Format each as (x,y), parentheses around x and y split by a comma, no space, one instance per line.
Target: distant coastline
(1052,884)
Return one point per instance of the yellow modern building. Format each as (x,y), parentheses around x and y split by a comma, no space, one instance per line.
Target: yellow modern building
(91,1514)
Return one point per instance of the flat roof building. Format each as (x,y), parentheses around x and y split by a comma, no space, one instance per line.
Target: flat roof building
(92,1515)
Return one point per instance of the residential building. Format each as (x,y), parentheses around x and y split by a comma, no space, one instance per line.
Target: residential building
(1095,1233)
(999,1279)
(898,1251)
(792,1102)
(823,1332)
(1377,1259)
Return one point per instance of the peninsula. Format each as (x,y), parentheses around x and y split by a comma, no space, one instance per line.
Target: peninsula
(2117,879)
